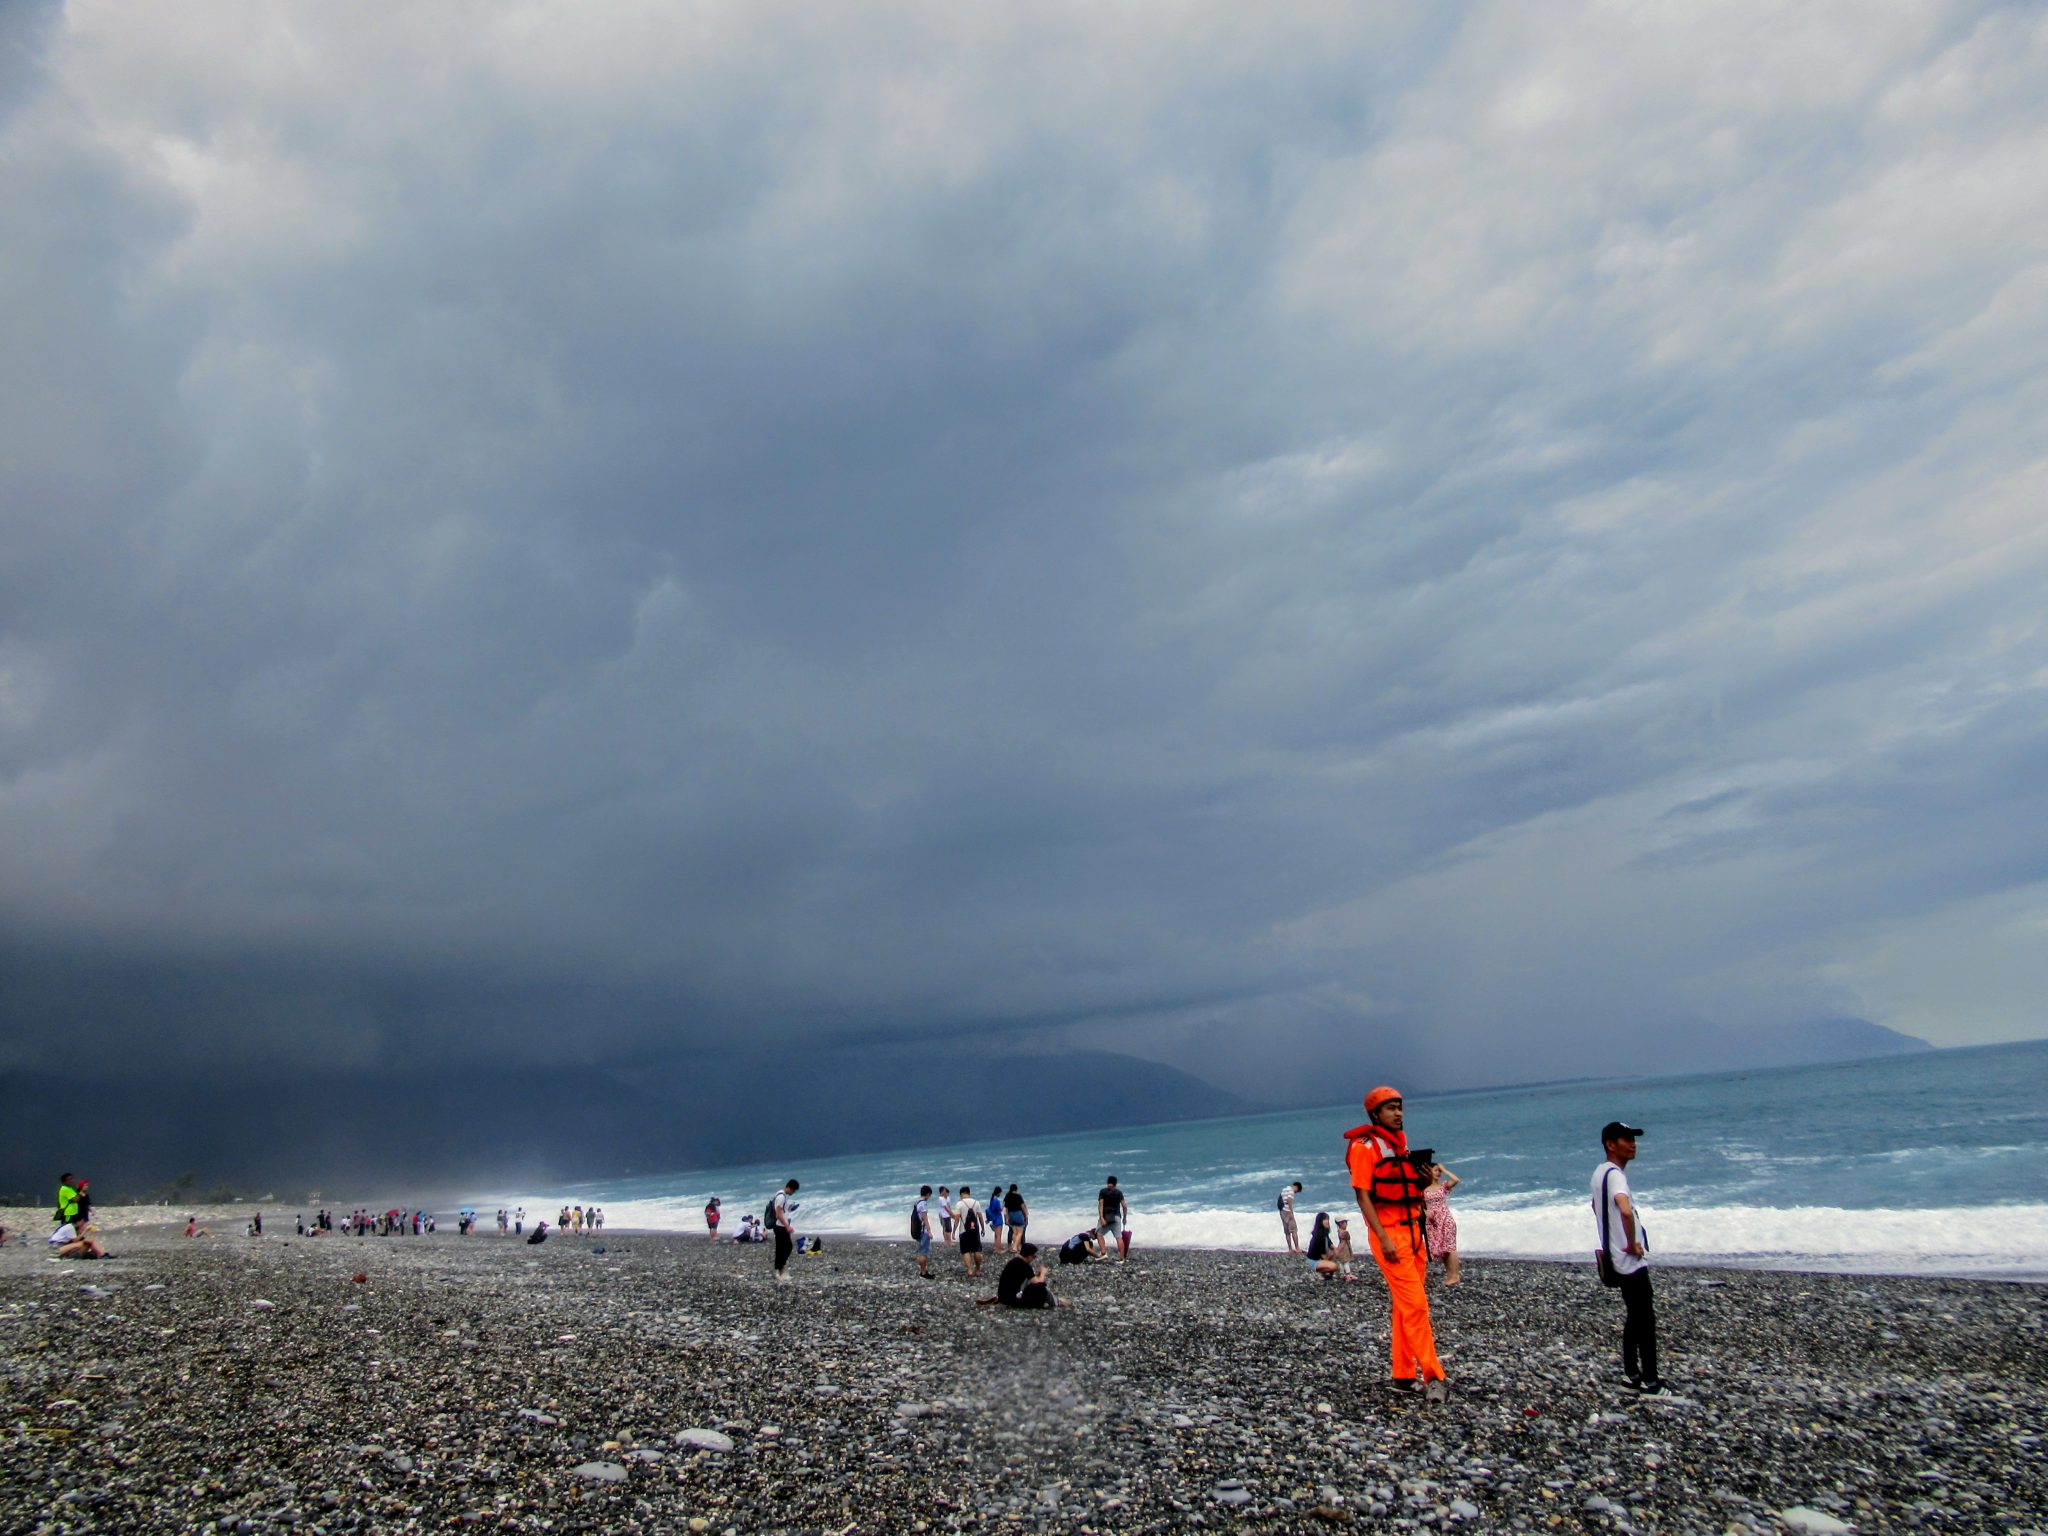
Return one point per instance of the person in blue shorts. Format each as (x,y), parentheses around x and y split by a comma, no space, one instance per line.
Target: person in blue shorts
(1016,1215)
(995,1217)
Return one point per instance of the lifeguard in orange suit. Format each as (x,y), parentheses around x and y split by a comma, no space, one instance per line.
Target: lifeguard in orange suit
(1389,1189)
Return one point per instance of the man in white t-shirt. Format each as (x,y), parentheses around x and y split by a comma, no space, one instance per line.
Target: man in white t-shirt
(1618,1227)
(1287,1194)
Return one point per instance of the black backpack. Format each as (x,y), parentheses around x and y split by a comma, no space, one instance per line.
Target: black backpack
(916,1223)
(768,1214)
(970,1219)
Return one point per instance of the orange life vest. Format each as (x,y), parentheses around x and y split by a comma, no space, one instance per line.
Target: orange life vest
(1396,1184)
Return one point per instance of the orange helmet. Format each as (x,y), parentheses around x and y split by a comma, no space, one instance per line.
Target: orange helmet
(1379,1096)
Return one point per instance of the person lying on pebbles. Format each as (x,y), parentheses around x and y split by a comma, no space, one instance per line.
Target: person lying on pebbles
(67,1242)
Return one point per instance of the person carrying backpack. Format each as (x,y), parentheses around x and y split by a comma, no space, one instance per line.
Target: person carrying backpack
(971,1223)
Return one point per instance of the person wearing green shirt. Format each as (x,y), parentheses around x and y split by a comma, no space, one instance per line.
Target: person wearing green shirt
(67,1200)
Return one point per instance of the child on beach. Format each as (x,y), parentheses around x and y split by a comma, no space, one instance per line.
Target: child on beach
(1321,1251)
(1342,1253)
(1440,1224)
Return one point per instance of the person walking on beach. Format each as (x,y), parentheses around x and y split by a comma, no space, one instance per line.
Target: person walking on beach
(1109,1219)
(995,1216)
(711,1215)
(785,1234)
(1285,1204)
(1625,1251)
(921,1230)
(971,1221)
(1388,1187)
(1438,1222)
(1016,1215)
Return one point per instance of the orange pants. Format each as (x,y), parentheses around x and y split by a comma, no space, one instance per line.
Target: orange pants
(1414,1343)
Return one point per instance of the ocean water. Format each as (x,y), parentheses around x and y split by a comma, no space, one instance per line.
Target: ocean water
(1928,1163)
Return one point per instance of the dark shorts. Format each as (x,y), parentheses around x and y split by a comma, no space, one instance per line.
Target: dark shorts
(970,1241)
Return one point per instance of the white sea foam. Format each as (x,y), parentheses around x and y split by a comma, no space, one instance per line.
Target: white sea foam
(2006,1239)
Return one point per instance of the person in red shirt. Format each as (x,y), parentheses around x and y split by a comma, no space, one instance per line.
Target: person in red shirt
(1388,1187)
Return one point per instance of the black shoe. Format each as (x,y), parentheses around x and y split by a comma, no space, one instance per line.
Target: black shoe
(1651,1387)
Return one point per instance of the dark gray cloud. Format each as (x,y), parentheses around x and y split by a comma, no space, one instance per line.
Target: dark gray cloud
(560,536)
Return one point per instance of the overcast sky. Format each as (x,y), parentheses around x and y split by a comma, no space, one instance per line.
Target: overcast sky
(540,531)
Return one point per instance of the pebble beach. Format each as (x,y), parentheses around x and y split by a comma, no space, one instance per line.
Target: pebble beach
(658,1383)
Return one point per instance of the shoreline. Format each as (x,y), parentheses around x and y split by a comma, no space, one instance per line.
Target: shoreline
(642,1382)
(34,1223)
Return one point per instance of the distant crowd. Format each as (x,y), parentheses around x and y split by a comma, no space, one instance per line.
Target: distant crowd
(1402,1195)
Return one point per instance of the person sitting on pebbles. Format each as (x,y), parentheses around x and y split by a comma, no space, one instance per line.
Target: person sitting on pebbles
(1022,1284)
(67,1242)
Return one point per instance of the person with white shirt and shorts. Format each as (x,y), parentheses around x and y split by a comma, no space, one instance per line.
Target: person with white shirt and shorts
(1286,1204)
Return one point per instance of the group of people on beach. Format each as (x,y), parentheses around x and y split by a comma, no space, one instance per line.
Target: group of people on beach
(75,1236)
(1402,1197)
(1329,1250)
(1400,1191)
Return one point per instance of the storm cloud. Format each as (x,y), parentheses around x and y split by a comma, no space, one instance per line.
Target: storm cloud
(546,534)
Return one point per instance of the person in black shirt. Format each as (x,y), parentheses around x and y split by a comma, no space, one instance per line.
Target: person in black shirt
(1109,1219)
(1016,1213)
(1022,1282)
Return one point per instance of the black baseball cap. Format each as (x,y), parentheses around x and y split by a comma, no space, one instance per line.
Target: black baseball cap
(1614,1130)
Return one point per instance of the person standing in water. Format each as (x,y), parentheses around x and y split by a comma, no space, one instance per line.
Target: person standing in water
(1627,1249)
(1388,1187)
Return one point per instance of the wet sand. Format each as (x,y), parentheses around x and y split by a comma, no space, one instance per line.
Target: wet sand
(665,1384)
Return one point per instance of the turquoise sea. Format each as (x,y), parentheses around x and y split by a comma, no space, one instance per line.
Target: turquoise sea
(1932,1162)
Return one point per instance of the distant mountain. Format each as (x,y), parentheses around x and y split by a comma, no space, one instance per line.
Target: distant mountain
(412,1133)
(1718,1048)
